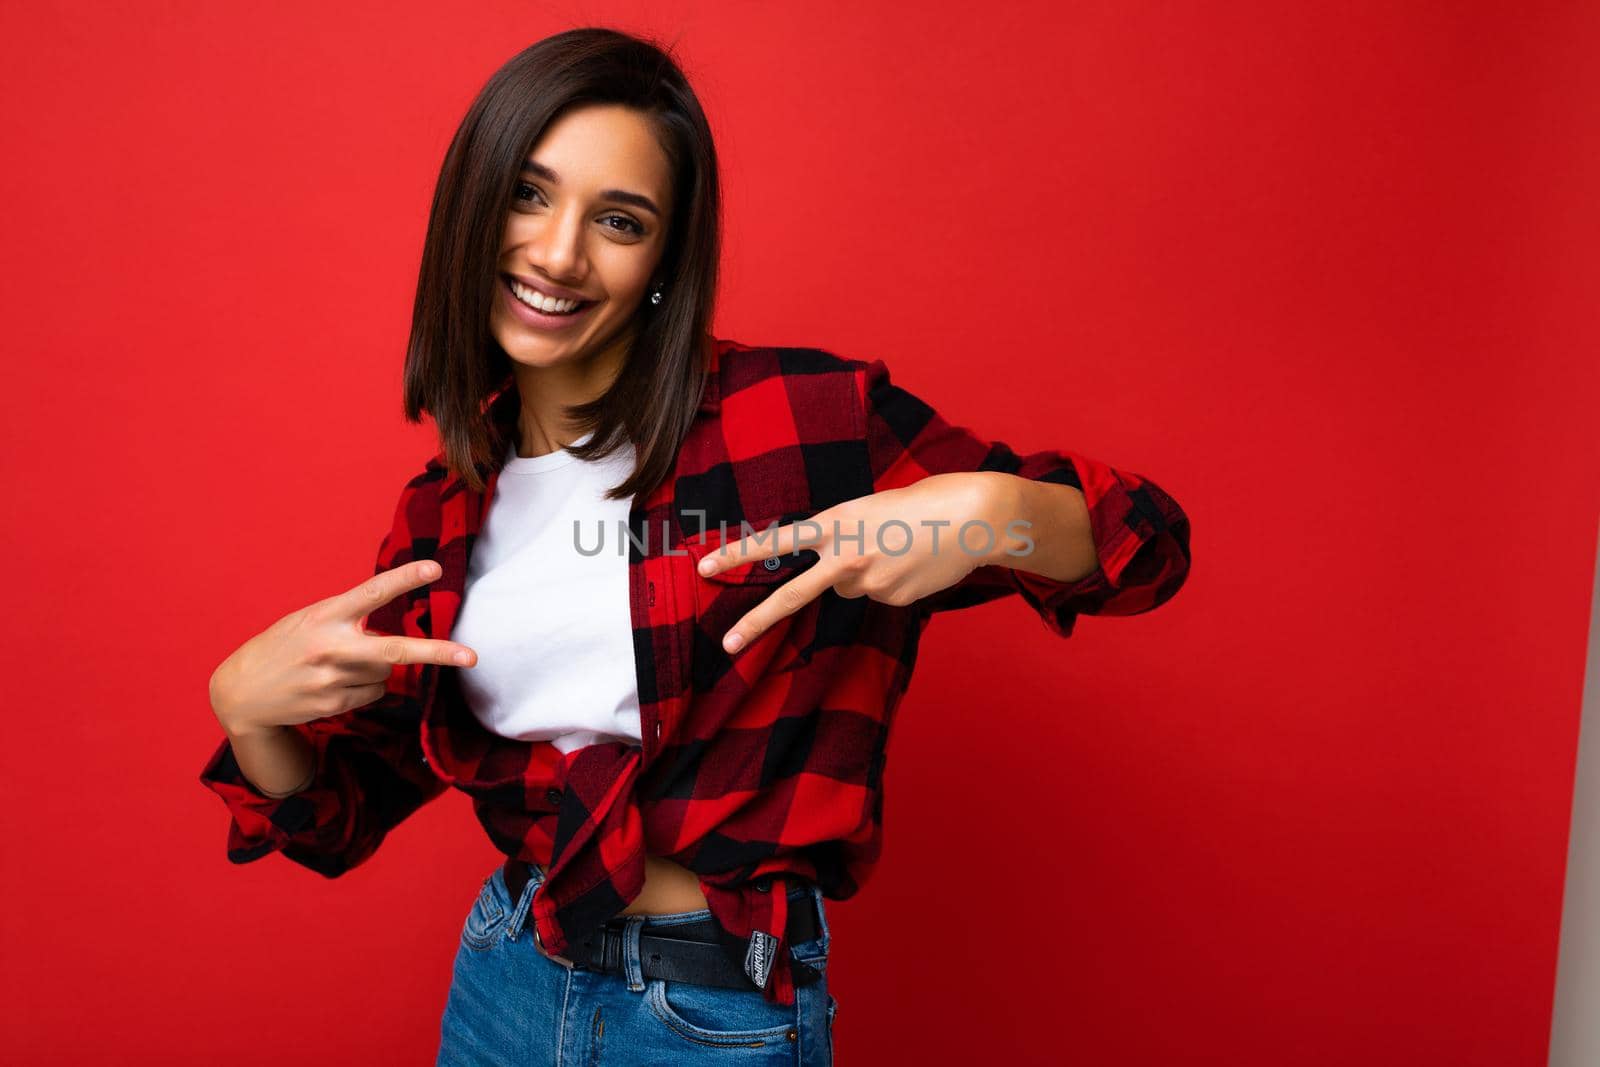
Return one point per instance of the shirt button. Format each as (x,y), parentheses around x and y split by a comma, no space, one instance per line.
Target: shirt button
(553,795)
(772,563)
(764,883)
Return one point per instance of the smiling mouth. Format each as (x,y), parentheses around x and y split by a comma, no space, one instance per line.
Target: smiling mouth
(545,305)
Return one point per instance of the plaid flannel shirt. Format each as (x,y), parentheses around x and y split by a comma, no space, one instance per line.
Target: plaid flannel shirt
(754,769)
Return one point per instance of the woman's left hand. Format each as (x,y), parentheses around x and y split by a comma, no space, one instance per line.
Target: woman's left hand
(917,525)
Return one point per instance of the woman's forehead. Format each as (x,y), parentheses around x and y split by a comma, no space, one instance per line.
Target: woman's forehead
(604,146)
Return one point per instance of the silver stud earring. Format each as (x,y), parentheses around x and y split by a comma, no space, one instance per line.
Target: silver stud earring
(655,297)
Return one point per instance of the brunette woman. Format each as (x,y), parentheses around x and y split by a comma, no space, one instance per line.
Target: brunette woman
(653,603)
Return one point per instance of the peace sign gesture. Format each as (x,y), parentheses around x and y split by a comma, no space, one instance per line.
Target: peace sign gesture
(321,660)
(894,547)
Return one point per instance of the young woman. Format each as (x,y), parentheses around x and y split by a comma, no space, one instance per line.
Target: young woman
(653,603)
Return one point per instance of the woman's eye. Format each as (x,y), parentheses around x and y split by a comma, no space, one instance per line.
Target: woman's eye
(629,225)
(524,193)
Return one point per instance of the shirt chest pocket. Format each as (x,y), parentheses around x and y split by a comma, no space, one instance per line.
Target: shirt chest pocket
(722,599)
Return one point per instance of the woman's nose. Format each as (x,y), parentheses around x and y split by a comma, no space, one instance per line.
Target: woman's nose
(558,251)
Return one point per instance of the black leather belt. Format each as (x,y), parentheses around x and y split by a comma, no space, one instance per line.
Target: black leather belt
(681,952)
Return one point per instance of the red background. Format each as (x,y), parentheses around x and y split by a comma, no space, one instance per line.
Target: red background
(1325,272)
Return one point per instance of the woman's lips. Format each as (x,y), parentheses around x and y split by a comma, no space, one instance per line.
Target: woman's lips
(539,320)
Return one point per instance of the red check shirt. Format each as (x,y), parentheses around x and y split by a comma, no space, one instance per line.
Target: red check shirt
(754,769)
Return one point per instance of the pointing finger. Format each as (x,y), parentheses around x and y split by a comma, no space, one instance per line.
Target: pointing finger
(395,650)
(787,599)
(383,587)
(777,541)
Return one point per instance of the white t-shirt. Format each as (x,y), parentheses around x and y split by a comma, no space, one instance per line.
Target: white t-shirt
(551,625)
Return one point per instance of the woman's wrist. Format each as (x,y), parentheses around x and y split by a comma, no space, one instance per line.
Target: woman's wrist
(277,761)
(1001,505)
(311,776)
(233,723)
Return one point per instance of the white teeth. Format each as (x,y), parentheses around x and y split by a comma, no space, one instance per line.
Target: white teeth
(540,302)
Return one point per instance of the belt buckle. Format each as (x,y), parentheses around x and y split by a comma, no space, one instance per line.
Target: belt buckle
(539,944)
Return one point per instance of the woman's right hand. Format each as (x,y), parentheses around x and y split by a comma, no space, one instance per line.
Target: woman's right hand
(322,660)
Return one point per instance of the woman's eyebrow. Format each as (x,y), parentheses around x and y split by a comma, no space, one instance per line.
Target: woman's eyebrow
(620,196)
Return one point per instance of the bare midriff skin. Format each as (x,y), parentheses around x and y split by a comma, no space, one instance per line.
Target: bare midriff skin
(668,887)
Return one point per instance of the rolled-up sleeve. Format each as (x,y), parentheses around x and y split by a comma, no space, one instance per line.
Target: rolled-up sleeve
(371,773)
(1141,535)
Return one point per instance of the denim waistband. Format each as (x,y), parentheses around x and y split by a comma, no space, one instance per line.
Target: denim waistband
(522,902)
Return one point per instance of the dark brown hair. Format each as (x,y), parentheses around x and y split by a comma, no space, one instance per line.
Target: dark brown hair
(455,369)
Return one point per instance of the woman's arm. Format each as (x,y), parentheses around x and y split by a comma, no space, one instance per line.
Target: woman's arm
(1041,528)
(1136,556)
(369,770)
(277,760)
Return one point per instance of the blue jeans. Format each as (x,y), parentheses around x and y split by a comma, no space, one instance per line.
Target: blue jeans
(509,1003)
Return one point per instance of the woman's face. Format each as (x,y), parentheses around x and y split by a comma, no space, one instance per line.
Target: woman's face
(588,220)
